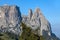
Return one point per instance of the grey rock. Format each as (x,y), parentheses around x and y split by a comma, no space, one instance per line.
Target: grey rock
(45,25)
(38,22)
(30,13)
(10,19)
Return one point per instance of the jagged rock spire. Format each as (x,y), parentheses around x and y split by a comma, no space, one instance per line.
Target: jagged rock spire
(30,13)
(45,25)
(37,10)
(38,21)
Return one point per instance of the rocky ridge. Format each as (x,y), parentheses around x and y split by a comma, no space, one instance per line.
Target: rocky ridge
(39,24)
(37,21)
(11,18)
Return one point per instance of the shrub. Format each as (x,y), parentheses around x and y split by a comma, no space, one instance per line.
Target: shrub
(27,33)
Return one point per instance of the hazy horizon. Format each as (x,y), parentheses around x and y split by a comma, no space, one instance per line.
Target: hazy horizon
(50,9)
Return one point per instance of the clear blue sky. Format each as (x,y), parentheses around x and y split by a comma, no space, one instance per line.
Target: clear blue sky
(50,8)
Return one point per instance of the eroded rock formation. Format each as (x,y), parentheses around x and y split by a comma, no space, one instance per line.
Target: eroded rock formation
(10,18)
(37,21)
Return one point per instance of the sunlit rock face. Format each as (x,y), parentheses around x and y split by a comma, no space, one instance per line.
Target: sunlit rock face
(10,18)
(37,21)
(45,25)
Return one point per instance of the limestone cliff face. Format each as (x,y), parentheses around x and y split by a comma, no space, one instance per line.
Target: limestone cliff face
(37,21)
(10,18)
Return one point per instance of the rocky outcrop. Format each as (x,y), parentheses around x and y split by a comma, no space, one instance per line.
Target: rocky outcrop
(30,13)
(10,18)
(38,22)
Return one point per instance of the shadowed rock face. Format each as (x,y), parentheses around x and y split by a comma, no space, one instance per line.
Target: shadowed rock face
(37,21)
(10,18)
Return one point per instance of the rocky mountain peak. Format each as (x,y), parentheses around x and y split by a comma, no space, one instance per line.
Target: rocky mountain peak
(37,13)
(38,22)
(10,18)
(30,13)
(37,10)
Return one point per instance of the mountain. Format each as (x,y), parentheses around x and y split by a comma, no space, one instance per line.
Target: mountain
(15,26)
(39,24)
(10,18)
